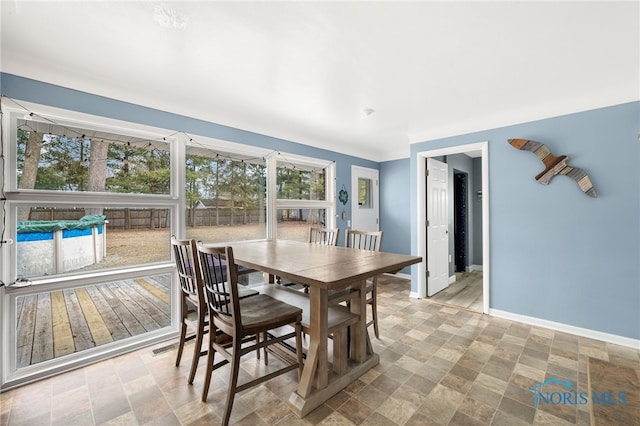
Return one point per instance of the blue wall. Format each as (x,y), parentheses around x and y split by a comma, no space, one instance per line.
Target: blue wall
(395,212)
(20,88)
(557,254)
(476,207)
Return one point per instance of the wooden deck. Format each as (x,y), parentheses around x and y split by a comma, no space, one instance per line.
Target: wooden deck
(59,323)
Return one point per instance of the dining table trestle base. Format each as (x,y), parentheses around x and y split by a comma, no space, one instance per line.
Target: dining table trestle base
(304,405)
(332,360)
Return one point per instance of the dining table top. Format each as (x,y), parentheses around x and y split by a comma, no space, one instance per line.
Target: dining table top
(316,265)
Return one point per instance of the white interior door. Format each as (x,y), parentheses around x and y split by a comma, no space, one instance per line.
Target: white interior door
(364,202)
(437,226)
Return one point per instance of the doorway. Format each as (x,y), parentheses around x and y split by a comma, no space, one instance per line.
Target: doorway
(460,220)
(478,196)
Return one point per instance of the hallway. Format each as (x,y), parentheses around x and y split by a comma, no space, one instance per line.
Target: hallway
(465,292)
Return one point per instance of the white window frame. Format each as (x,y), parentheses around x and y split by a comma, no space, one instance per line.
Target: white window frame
(175,202)
(11,376)
(215,145)
(274,203)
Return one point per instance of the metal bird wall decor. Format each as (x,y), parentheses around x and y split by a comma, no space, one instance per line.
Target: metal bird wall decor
(554,165)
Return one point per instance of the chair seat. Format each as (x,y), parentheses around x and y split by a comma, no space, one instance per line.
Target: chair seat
(263,311)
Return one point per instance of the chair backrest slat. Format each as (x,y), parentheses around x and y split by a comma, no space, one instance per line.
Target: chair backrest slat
(186,265)
(363,240)
(324,236)
(220,279)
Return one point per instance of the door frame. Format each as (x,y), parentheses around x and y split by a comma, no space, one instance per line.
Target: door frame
(421,246)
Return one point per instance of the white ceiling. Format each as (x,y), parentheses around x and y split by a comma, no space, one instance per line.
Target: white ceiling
(307,71)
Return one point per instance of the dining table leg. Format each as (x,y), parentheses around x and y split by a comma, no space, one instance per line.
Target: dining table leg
(359,329)
(316,367)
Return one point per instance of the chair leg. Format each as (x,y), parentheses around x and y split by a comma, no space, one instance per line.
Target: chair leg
(183,331)
(198,346)
(374,310)
(210,356)
(369,347)
(258,347)
(266,354)
(233,380)
(299,348)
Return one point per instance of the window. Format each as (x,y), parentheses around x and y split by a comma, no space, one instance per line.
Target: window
(225,194)
(364,193)
(293,224)
(58,157)
(88,317)
(91,206)
(305,189)
(297,182)
(90,209)
(55,240)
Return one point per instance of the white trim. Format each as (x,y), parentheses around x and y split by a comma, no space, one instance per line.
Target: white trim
(452,279)
(220,146)
(420,249)
(475,268)
(578,331)
(272,208)
(400,275)
(284,203)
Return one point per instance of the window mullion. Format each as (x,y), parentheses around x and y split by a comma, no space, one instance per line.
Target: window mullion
(272,207)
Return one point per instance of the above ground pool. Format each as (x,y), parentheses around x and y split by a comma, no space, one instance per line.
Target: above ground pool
(53,247)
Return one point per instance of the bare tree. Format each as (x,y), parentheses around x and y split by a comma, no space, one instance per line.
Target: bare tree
(30,168)
(97,170)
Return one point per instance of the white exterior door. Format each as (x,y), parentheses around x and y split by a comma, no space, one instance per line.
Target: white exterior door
(364,201)
(437,226)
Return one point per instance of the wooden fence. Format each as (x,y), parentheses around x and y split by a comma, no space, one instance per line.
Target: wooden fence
(126,218)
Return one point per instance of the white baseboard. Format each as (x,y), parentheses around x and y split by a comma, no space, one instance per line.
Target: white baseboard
(475,268)
(400,275)
(578,331)
(452,279)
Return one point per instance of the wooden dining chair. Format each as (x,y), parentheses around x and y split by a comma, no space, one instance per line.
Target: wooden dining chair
(242,320)
(191,291)
(325,236)
(367,240)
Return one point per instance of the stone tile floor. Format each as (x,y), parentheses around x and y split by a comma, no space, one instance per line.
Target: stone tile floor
(439,365)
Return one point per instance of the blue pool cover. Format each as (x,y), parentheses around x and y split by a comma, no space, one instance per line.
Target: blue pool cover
(39,230)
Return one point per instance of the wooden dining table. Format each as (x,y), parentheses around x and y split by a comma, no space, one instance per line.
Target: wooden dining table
(324,269)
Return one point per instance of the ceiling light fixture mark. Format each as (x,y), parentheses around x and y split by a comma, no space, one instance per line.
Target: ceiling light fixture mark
(169,18)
